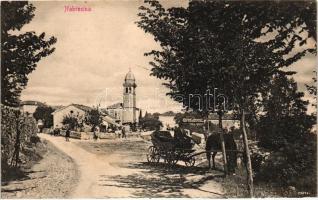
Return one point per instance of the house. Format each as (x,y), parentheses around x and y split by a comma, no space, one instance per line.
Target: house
(30,106)
(228,120)
(109,122)
(115,111)
(76,110)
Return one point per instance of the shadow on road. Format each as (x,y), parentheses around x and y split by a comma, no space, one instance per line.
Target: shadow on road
(160,180)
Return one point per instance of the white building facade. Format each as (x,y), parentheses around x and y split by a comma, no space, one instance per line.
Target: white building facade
(75,110)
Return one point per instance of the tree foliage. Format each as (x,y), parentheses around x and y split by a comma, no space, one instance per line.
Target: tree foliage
(285,119)
(213,44)
(20,52)
(150,122)
(93,118)
(242,48)
(285,130)
(72,122)
(45,114)
(313,89)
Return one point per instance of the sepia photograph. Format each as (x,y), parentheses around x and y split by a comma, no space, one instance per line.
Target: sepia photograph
(158,99)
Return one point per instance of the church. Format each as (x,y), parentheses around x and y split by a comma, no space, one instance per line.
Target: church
(126,112)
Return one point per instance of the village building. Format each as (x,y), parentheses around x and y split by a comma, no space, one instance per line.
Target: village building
(228,120)
(30,106)
(115,111)
(126,112)
(75,110)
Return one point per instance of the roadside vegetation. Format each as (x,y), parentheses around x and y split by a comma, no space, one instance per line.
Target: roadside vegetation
(244,49)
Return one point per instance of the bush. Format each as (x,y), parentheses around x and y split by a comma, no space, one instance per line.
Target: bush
(72,122)
(16,133)
(150,122)
(294,164)
(258,158)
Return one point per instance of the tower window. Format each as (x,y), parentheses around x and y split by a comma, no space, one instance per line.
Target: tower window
(126,90)
(129,89)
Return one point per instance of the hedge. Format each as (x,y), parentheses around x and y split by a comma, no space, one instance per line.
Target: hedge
(17,130)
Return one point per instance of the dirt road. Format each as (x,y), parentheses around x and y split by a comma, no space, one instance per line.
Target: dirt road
(117,168)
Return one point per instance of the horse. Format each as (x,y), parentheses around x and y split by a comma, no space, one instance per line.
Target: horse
(213,143)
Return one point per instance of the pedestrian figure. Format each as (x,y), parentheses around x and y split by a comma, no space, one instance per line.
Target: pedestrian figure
(52,132)
(95,135)
(56,131)
(123,131)
(67,135)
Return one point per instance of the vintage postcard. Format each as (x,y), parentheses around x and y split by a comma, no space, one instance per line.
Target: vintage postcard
(158,99)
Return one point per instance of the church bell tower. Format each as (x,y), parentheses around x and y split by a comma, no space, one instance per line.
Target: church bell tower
(129,99)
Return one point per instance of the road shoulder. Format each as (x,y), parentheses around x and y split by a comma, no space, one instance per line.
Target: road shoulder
(54,176)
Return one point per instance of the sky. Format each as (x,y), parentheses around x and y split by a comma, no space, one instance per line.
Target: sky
(96,49)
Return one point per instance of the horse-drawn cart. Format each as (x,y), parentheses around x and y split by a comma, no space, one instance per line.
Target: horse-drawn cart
(171,149)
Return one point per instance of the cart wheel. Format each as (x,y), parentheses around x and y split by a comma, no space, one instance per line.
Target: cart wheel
(153,155)
(171,158)
(190,162)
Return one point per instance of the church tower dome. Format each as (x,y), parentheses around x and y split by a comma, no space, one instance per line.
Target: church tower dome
(130,80)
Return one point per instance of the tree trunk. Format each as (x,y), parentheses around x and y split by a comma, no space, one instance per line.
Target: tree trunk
(223,145)
(248,163)
(16,154)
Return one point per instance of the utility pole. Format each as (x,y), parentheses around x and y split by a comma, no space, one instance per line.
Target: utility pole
(220,113)
(248,157)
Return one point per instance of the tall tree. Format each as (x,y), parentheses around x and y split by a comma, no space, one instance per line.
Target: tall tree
(285,130)
(204,45)
(20,53)
(285,118)
(217,44)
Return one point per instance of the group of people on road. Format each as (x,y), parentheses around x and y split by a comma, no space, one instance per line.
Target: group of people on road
(57,132)
(121,133)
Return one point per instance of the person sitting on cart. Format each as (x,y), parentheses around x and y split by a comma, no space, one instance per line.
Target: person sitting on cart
(181,139)
(178,134)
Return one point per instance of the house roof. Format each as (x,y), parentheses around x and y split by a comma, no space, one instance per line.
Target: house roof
(110,120)
(34,103)
(117,106)
(79,106)
(82,107)
(114,106)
